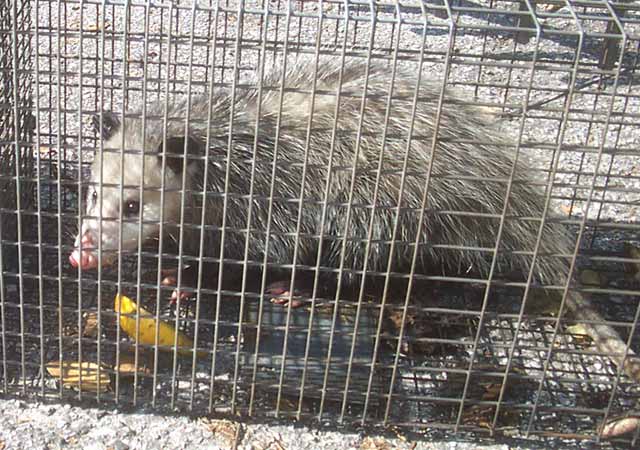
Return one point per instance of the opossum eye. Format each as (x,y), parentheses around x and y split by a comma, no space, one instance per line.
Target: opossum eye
(131,208)
(94,196)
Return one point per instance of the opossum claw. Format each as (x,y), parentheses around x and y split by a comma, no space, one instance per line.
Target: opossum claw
(184,296)
(169,277)
(282,296)
(188,282)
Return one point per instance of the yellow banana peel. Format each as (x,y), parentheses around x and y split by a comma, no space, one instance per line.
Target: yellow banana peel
(147,331)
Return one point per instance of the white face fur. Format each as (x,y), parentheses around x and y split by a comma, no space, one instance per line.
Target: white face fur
(106,202)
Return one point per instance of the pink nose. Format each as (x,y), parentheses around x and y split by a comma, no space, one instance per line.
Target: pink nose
(87,258)
(87,240)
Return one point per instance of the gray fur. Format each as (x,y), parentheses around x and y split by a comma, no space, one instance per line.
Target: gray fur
(458,193)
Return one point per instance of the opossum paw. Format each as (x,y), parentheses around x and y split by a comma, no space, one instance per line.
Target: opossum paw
(189,276)
(184,296)
(171,279)
(282,296)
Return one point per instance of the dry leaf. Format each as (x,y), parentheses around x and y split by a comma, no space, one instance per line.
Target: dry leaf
(395,317)
(89,325)
(551,7)
(482,416)
(370,443)
(225,430)
(579,333)
(46,150)
(70,374)
(492,391)
(488,388)
(93,27)
(566,209)
(127,366)
(577,329)
(90,328)
(631,251)
(619,426)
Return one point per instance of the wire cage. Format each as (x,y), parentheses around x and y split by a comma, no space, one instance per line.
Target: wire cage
(446,350)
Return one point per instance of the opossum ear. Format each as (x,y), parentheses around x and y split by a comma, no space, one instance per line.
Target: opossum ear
(175,151)
(110,122)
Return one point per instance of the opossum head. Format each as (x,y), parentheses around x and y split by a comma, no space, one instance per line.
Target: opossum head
(139,166)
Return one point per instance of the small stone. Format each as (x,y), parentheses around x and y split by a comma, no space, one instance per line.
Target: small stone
(59,442)
(119,445)
(62,422)
(79,427)
(95,446)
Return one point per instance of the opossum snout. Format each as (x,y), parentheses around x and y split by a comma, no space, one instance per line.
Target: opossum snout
(86,258)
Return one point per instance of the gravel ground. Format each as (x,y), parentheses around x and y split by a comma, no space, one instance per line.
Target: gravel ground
(50,426)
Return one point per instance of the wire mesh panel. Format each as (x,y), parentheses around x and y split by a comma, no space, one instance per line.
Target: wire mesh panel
(373,213)
(16,167)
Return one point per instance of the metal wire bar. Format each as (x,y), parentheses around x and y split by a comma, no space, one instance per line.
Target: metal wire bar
(100,149)
(39,206)
(80,203)
(276,148)
(59,189)
(561,134)
(432,156)
(367,248)
(260,77)
(232,110)
(323,215)
(203,216)
(136,360)
(162,206)
(182,208)
(525,294)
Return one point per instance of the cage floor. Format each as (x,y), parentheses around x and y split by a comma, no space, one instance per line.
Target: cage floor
(429,382)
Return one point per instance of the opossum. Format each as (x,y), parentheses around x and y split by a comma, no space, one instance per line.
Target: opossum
(315,141)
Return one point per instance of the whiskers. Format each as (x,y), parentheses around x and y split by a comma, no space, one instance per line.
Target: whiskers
(69,234)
